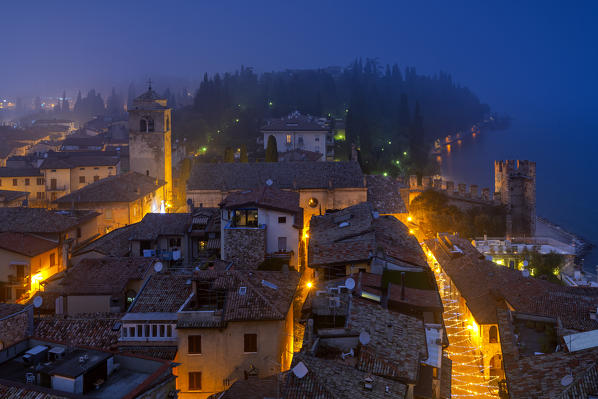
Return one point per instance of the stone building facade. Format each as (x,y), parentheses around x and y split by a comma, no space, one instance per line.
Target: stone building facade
(244,246)
(515,185)
(16,323)
(150,151)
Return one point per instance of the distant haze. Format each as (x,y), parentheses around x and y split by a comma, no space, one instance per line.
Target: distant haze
(523,58)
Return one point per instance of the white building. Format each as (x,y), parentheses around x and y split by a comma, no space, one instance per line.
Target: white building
(300,132)
(261,224)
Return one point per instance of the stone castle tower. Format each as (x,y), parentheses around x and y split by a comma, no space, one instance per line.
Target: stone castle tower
(150,138)
(515,185)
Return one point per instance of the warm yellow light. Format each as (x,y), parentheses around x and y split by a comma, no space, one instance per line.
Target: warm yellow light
(409,218)
(309,284)
(469,327)
(305,235)
(411,231)
(499,262)
(556,271)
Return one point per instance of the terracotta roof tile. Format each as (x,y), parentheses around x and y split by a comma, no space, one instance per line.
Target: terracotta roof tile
(328,379)
(127,187)
(284,175)
(96,330)
(384,194)
(25,244)
(264,197)
(106,276)
(38,220)
(164,293)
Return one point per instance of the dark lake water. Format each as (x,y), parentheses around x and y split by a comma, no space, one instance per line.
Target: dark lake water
(566,169)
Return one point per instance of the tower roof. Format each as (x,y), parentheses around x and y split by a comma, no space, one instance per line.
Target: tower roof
(150,100)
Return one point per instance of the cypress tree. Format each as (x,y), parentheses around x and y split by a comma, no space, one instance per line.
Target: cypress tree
(243,156)
(271,150)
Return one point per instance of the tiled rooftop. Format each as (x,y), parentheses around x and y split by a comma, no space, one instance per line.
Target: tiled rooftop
(328,379)
(483,284)
(120,188)
(284,175)
(163,293)
(69,160)
(384,194)
(7,196)
(106,276)
(25,244)
(267,295)
(115,243)
(20,172)
(264,197)
(154,225)
(94,330)
(541,376)
(8,309)
(253,388)
(293,123)
(353,234)
(397,341)
(38,220)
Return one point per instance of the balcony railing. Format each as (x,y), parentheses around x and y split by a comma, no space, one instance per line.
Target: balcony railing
(56,188)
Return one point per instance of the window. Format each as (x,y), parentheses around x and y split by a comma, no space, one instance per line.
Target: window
(161,330)
(194,381)
(14,182)
(282,244)
(53,170)
(142,125)
(27,181)
(147,172)
(493,335)
(150,125)
(175,242)
(40,181)
(110,167)
(53,184)
(39,195)
(108,213)
(96,178)
(289,139)
(81,179)
(52,259)
(131,331)
(194,344)
(125,332)
(300,141)
(81,168)
(139,330)
(317,139)
(250,344)
(96,168)
(244,218)
(146,329)
(154,330)
(169,330)
(282,219)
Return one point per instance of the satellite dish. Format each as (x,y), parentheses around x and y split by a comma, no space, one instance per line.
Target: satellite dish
(350,283)
(158,267)
(567,380)
(269,182)
(300,370)
(525,263)
(525,273)
(364,338)
(37,301)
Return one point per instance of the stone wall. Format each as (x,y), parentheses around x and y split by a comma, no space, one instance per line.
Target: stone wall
(16,327)
(244,246)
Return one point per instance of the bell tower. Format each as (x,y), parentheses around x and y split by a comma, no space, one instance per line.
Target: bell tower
(150,137)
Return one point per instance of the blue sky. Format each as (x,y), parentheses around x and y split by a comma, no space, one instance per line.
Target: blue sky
(537,56)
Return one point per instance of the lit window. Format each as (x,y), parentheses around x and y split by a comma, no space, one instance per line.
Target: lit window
(289,139)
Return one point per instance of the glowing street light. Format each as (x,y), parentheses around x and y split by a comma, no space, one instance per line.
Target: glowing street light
(409,219)
(309,284)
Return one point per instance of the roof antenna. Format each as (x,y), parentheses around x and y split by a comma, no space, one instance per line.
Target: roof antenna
(149,84)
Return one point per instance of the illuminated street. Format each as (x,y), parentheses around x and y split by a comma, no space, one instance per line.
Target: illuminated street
(467,378)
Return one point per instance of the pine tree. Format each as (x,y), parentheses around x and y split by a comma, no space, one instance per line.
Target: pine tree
(417,141)
(243,156)
(271,150)
(229,155)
